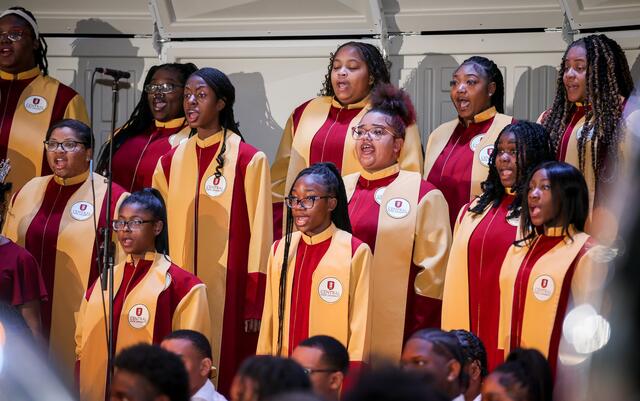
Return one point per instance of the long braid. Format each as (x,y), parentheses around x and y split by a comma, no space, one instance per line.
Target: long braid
(329,177)
(376,64)
(224,90)
(532,148)
(607,80)
(40,54)
(141,117)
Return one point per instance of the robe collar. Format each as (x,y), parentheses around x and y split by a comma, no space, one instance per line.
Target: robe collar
(210,141)
(557,231)
(483,116)
(360,105)
(510,191)
(150,256)
(71,180)
(320,237)
(384,173)
(175,123)
(32,73)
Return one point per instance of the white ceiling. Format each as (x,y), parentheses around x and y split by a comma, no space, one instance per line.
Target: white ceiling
(251,18)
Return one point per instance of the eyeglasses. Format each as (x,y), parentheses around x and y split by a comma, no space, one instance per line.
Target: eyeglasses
(13,35)
(67,146)
(132,225)
(305,203)
(374,134)
(165,88)
(309,371)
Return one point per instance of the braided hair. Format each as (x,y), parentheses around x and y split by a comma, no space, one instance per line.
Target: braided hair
(526,376)
(492,73)
(39,53)
(608,78)
(570,197)
(395,104)
(377,66)
(141,117)
(473,349)
(151,200)
(445,344)
(327,175)
(224,90)
(532,148)
(273,375)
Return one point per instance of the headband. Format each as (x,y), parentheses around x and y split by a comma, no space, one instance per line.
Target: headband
(24,16)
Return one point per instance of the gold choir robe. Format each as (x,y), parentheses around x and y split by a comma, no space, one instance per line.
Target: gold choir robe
(541,283)
(320,131)
(471,298)
(30,103)
(334,302)
(135,161)
(53,218)
(220,229)
(457,157)
(405,221)
(160,298)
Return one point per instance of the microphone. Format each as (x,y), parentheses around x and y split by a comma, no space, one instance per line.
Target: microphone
(116,74)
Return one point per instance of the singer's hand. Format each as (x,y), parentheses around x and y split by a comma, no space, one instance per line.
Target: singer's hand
(251,325)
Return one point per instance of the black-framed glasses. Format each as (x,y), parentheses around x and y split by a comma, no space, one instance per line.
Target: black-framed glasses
(306,202)
(165,88)
(374,134)
(13,35)
(67,146)
(131,225)
(310,371)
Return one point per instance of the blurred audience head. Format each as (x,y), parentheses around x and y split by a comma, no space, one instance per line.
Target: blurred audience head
(264,376)
(195,350)
(326,361)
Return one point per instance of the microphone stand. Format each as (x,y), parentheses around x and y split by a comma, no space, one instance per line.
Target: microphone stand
(107,257)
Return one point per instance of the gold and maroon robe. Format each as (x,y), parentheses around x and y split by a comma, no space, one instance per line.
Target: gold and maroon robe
(20,278)
(29,104)
(53,218)
(472,286)
(220,229)
(152,298)
(410,243)
(135,160)
(327,293)
(457,157)
(320,131)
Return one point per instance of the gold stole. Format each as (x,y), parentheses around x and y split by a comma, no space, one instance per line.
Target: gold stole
(28,130)
(93,349)
(324,318)
(455,301)
(391,264)
(439,138)
(213,221)
(73,255)
(539,316)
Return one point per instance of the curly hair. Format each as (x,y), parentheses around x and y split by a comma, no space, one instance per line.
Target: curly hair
(40,53)
(493,74)
(396,104)
(377,66)
(141,117)
(532,148)
(608,78)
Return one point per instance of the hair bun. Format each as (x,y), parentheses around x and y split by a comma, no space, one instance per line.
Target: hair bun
(394,101)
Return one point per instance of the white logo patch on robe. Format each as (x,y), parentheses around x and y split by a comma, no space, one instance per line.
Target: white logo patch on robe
(35,104)
(377,196)
(330,290)
(485,154)
(543,288)
(475,141)
(398,208)
(215,186)
(81,211)
(138,316)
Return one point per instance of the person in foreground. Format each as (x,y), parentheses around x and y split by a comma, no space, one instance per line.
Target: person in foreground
(263,376)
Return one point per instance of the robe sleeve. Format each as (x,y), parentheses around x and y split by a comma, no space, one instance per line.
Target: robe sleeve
(79,327)
(9,228)
(432,244)
(260,223)
(193,312)
(411,156)
(280,165)
(265,339)
(590,277)
(159,180)
(359,304)
(77,109)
